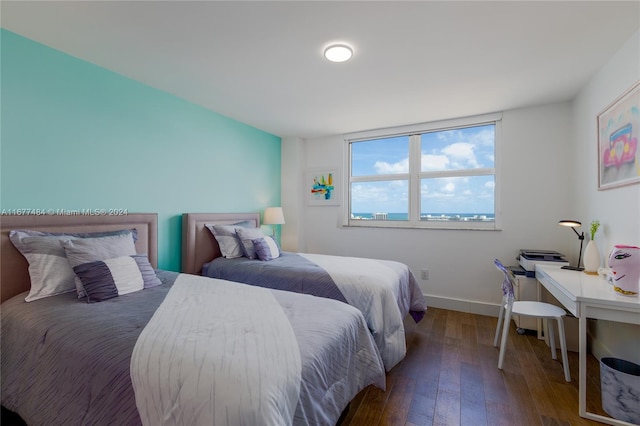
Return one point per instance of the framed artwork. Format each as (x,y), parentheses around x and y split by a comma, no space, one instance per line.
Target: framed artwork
(322,187)
(618,130)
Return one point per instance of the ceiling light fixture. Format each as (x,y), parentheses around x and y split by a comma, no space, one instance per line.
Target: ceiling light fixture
(338,52)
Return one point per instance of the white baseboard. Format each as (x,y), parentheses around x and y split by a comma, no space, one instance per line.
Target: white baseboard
(596,347)
(460,305)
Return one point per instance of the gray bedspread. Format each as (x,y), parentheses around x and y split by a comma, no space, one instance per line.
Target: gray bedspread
(67,362)
(289,272)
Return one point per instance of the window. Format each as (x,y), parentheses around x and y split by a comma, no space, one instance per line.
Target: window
(435,175)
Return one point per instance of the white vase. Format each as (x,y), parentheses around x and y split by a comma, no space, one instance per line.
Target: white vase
(591,257)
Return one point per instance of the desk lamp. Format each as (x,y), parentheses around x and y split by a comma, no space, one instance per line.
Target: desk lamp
(273,216)
(573,224)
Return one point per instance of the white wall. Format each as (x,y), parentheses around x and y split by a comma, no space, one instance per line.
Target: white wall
(548,172)
(617,209)
(292,152)
(533,156)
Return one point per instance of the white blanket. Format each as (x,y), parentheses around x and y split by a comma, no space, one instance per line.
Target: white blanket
(383,290)
(217,353)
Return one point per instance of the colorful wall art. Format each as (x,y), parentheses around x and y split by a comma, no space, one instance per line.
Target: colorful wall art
(322,189)
(618,131)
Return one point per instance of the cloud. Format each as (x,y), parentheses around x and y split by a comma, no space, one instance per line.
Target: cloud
(384,168)
(449,187)
(389,196)
(461,155)
(432,162)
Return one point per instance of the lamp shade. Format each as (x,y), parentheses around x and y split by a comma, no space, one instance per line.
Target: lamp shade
(273,216)
(571,223)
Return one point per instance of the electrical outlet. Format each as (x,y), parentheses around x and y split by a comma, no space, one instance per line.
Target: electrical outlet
(424,274)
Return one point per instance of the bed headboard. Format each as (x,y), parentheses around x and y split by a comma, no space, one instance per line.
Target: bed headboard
(14,269)
(198,245)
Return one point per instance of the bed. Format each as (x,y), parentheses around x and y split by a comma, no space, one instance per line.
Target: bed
(143,358)
(384,291)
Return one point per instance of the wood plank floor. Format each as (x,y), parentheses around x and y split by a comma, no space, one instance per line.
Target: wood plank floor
(450,377)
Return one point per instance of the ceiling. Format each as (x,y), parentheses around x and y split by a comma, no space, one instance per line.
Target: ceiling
(261,62)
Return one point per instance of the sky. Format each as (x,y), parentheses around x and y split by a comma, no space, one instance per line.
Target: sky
(442,151)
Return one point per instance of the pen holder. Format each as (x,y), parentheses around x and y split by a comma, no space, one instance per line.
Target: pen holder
(624,262)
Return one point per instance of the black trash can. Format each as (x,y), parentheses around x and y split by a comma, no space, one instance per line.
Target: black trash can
(620,389)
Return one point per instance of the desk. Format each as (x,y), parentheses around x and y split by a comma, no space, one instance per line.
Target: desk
(588,296)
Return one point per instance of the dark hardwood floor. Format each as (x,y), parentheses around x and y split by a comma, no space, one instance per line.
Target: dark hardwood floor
(450,377)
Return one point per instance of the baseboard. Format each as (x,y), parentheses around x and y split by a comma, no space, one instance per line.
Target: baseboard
(596,347)
(469,306)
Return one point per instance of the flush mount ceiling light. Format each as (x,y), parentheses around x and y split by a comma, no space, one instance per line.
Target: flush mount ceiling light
(338,52)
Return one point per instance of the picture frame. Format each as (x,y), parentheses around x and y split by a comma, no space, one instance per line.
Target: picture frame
(322,187)
(618,137)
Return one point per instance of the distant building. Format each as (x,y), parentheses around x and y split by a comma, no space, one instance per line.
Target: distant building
(380,216)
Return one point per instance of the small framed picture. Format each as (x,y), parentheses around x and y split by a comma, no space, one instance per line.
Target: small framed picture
(618,132)
(322,187)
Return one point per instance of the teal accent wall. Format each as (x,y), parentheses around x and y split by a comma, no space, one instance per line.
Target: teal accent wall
(78,136)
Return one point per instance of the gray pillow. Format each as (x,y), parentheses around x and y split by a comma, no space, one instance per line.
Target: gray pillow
(266,248)
(49,268)
(247,235)
(227,238)
(106,279)
(87,250)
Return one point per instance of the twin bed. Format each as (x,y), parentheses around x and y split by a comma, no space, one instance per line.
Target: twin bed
(384,291)
(191,350)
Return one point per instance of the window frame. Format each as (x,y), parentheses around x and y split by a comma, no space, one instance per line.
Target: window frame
(415,175)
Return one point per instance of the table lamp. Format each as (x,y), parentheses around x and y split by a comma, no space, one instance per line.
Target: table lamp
(573,224)
(273,216)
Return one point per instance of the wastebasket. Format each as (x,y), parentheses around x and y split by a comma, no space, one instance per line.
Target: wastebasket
(620,389)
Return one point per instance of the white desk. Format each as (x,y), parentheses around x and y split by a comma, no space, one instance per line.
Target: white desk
(588,296)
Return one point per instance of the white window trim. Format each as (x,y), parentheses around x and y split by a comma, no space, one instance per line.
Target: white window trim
(414,174)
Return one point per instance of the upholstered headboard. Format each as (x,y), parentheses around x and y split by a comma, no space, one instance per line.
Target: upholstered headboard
(14,275)
(198,245)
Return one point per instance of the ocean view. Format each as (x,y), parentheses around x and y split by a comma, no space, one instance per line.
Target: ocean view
(466,217)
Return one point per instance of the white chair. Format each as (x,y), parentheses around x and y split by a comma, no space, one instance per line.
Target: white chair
(542,310)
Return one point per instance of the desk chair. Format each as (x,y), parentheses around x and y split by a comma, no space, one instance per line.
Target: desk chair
(542,310)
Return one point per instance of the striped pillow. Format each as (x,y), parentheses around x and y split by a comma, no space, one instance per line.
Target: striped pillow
(106,279)
(94,249)
(49,269)
(227,239)
(266,248)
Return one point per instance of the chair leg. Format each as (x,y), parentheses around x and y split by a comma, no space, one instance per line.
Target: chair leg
(499,325)
(563,349)
(505,334)
(552,339)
